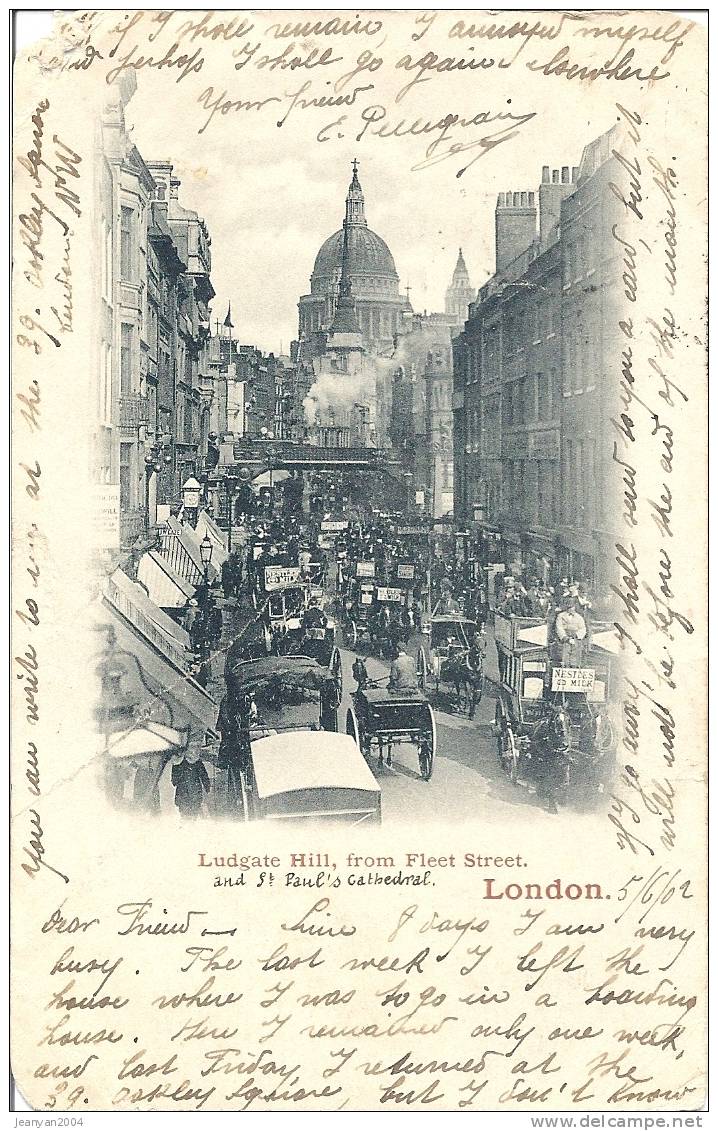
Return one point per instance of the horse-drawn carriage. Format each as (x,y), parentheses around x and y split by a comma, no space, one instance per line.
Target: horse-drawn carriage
(444,657)
(312,777)
(382,719)
(297,766)
(552,708)
(289,692)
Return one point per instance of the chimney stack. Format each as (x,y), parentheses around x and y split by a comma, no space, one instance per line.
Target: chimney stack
(553,189)
(515,225)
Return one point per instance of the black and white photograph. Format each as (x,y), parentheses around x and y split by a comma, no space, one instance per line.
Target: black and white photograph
(359,547)
(363,570)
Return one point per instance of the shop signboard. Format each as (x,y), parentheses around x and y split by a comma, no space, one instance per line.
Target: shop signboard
(106,516)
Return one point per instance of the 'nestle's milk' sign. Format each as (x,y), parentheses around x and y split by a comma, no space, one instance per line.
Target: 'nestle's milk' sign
(277,577)
(572,679)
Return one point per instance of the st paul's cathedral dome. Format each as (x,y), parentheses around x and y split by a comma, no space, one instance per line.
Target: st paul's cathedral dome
(372,274)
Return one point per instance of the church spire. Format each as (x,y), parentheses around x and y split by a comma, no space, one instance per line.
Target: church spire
(460,293)
(355,200)
(460,271)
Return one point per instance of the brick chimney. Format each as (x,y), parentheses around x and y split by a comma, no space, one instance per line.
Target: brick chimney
(515,225)
(555,186)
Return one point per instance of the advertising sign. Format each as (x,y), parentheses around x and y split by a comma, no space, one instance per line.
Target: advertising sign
(385,593)
(572,679)
(106,516)
(365,569)
(332,527)
(405,572)
(278,577)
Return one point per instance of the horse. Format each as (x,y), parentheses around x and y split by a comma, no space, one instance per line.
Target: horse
(467,681)
(549,754)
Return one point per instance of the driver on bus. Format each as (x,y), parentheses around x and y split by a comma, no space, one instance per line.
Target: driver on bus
(570,624)
(402,676)
(314,616)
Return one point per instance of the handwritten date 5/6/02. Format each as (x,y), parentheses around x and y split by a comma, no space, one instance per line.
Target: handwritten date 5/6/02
(647,893)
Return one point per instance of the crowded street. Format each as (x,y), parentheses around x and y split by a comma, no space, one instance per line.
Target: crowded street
(302,611)
(321,604)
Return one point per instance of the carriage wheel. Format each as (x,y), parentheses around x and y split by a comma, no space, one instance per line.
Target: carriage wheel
(427,748)
(352,728)
(498,718)
(421,668)
(330,720)
(512,757)
(335,666)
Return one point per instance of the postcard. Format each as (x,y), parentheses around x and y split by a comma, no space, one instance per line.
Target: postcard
(359,602)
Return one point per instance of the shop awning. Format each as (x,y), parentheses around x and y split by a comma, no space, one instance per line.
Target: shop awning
(159,691)
(139,609)
(165,586)
(180,547)
(271,478)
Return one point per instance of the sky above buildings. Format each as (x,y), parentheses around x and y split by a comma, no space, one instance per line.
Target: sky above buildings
(270,198)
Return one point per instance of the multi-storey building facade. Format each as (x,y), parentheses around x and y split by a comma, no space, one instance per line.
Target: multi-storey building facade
(530,373)
(153,290)
(421,428)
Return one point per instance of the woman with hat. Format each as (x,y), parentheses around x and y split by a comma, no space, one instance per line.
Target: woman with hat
(191,782)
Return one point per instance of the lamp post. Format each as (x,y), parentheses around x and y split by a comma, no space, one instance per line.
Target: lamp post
(231,482)
(408,481)
(153,463)
(205,554)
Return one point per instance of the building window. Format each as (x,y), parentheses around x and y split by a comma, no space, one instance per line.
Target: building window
(125,476)
(566,478)
(107,262)
(508,403)
(105,384)
(542,412)
(126,359)
(568,362)
(126,244)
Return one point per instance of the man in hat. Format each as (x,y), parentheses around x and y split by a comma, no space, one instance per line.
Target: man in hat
(191,782)
(570,624)
(402,676)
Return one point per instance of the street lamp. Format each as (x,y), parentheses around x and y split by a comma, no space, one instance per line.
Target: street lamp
(205,554)
(153,463)
(231,482)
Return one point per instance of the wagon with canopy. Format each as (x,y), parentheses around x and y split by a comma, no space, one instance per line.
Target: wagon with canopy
(312,777)
(442,656)
(359,611)
(290,692)
(544,681)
